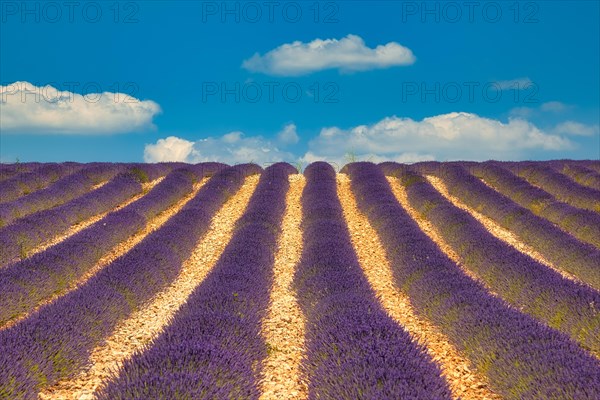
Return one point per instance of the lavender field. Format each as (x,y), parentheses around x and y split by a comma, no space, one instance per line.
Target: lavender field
(434,280)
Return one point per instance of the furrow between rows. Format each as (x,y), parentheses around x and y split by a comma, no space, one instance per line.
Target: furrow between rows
(533,288)
(558,185)
(146,187)
(581,223)
(143,326)
(354,349)
(464,381)
(213,346)
(560,248)
(521,357)
(55,343)
(582,175)
(432,233)
(498,231)
(283,329)
(117,251)
(60,192)
(31,180)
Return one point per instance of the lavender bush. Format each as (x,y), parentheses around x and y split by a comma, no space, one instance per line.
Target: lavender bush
(522,358)
(55,342)
(558,185)
(582,224)
(213,346)
(354,349)
(63,190)
(520,280)
(32,179)
(30,281)
(557,246)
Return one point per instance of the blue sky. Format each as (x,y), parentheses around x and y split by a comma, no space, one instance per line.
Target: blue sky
(299,80)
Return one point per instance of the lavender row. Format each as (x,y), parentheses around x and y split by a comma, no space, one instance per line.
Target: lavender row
(559,185)
(20,237)
(522,358)
(520,280)
(58,193)
(213,346)
(151,172)
(560,164)
(56,342)
(172,188)
(82,179)
(560,248)
(206,169)
(26,283)
(593,165)
(8,171)
(37,178)
(582,175)
(353,348)
(590,164)
(582,224)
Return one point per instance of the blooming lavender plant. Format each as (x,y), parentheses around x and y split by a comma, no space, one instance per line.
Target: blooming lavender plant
(10,170)
(56,341)
(28,282)
(581,223)
(558,185)
(522,358)
(18,238)
(354,349)
(560,248)
(213,347)
(63,190)
(36,177)
(583,175)
(520,280)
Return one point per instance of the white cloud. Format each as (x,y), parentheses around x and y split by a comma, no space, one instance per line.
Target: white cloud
(231,148)
(576,128)
(453,136)
(515,84)
(288,135)
(169,149)
(450,136)
(522,112)
(347,54)
(45,109)
(554,106)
